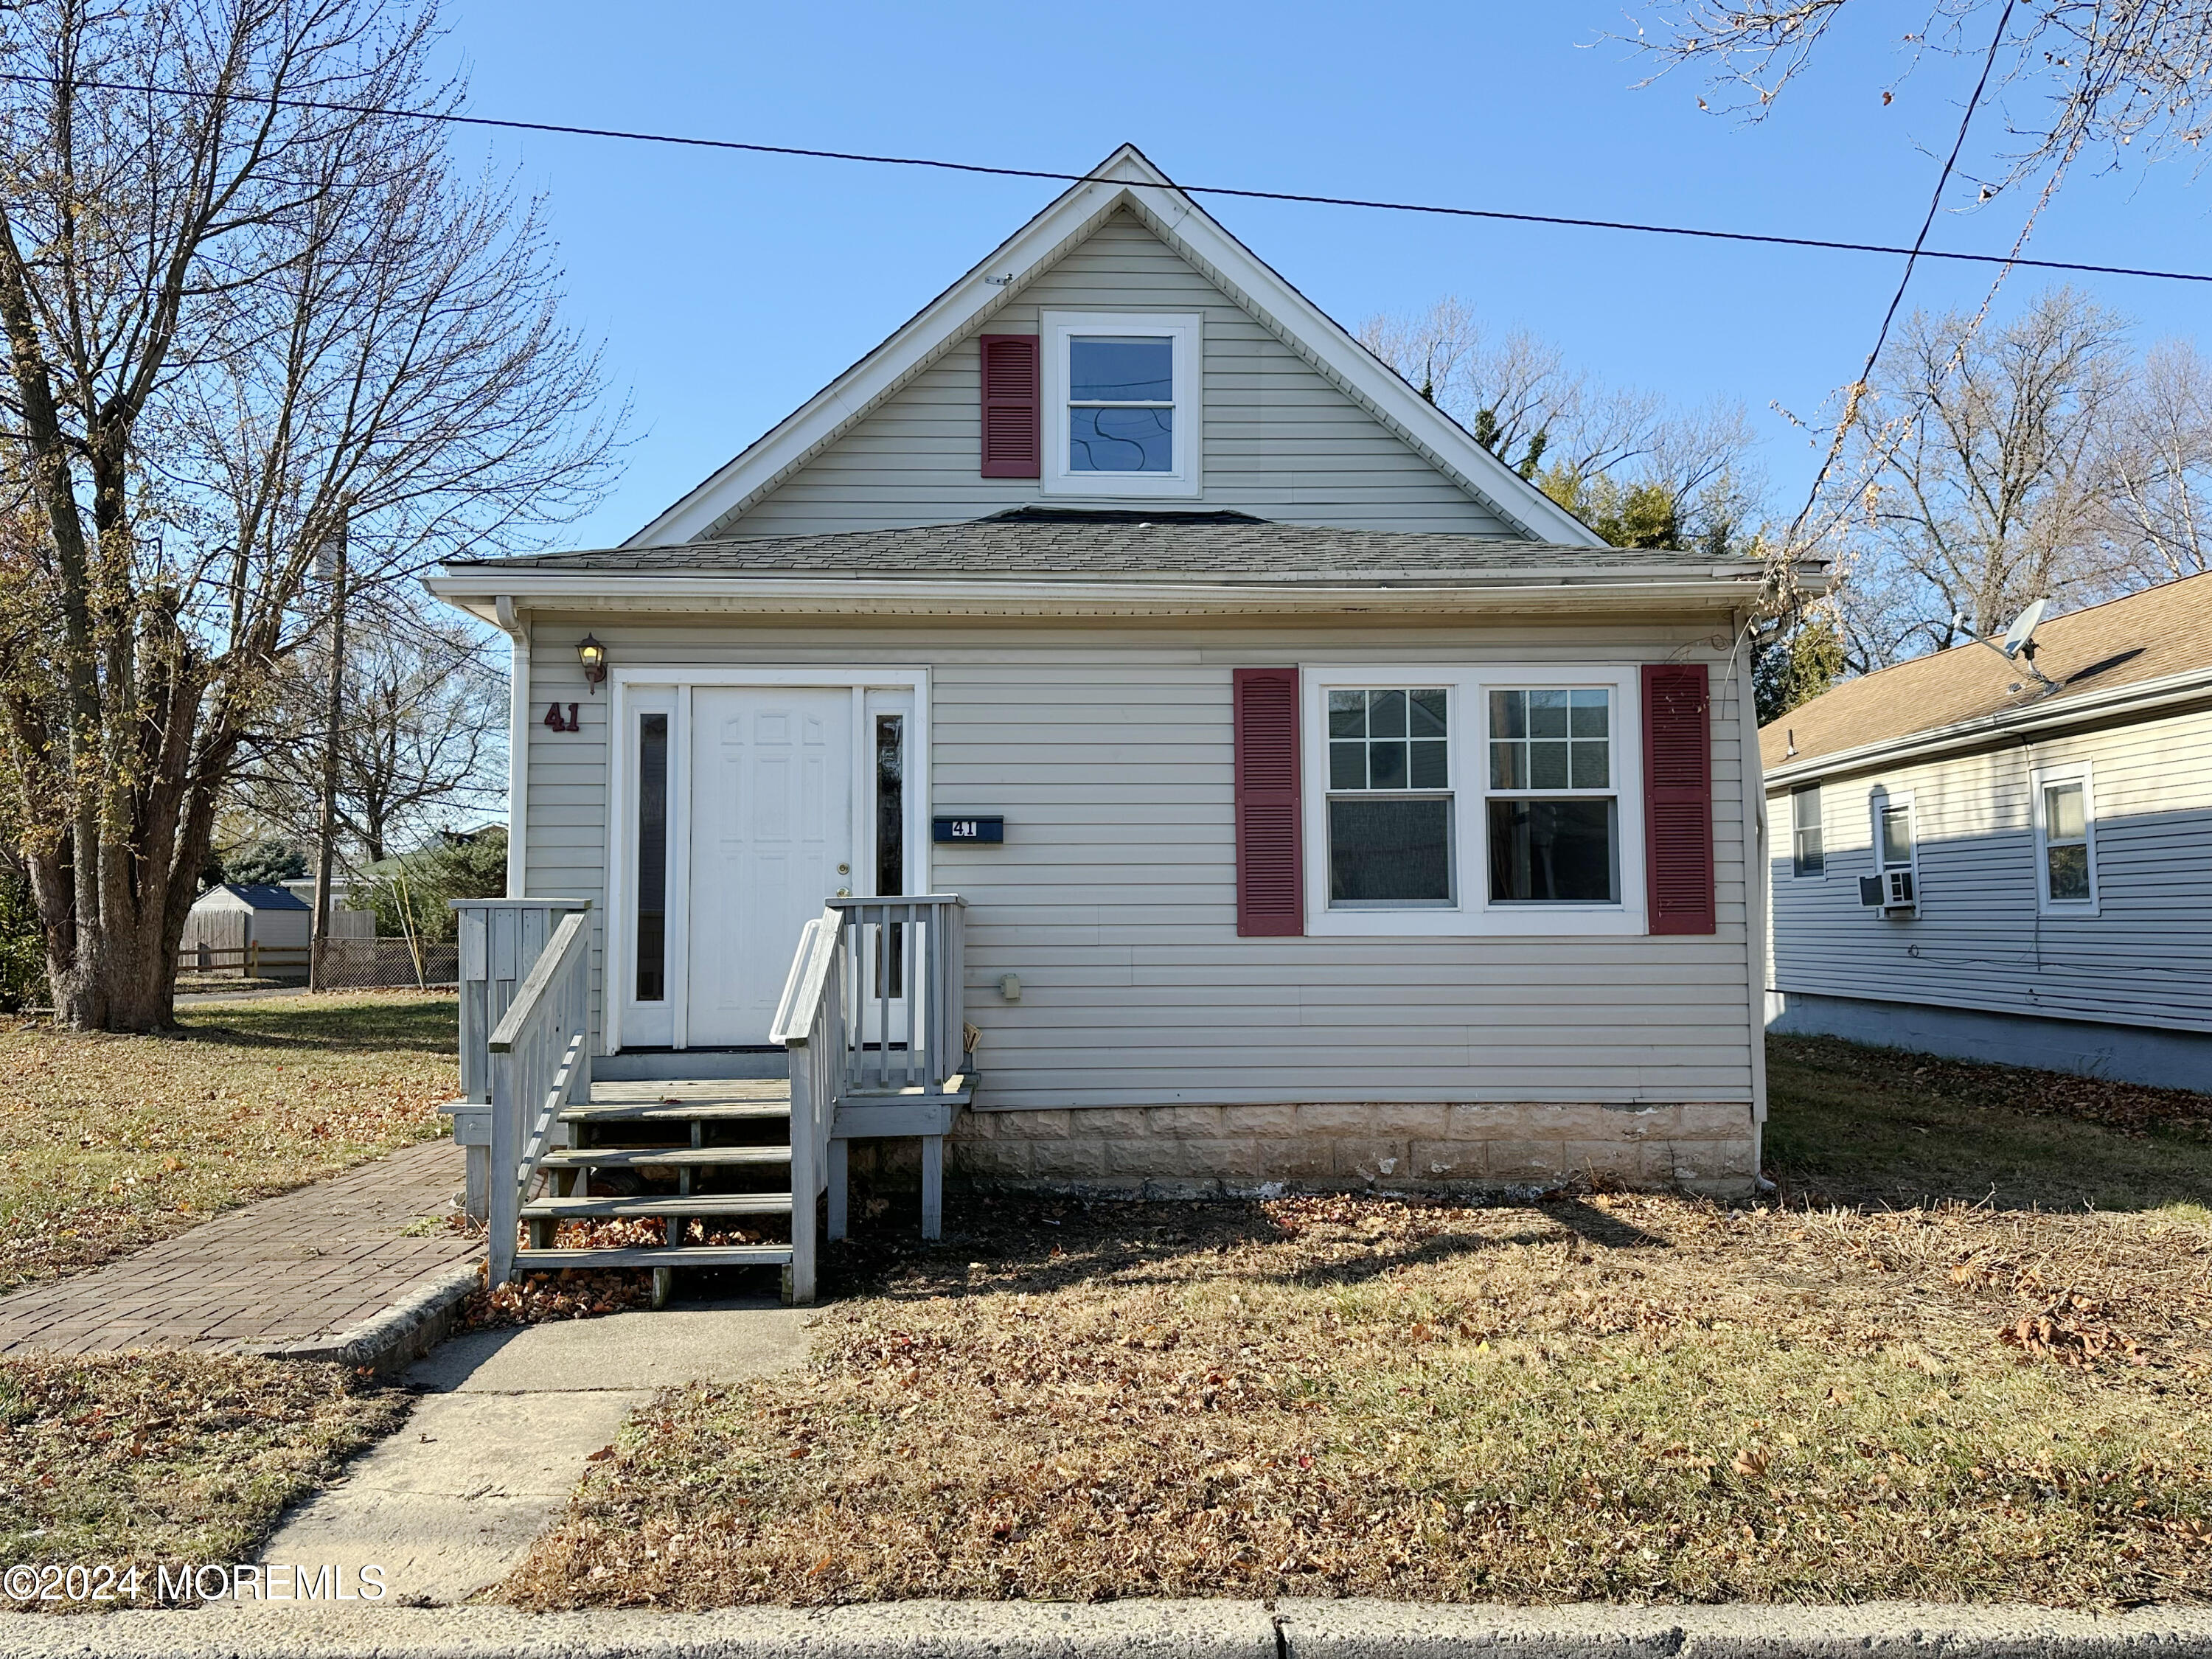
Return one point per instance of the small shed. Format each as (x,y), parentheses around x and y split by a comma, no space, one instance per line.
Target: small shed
(227,922)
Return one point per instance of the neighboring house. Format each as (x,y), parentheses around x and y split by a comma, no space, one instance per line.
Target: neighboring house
(1970,860)
(1327,808)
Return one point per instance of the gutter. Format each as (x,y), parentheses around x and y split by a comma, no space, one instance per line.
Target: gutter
(2144,697)
(884,593)
(518,740)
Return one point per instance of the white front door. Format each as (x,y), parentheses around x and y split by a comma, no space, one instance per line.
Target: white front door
(771,838)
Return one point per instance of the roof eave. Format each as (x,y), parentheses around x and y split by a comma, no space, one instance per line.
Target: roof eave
(479,590)
(2143,696)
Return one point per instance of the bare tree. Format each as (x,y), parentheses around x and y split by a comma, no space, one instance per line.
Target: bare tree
(248,307)
(1514,392)
(1628,461)
(2156,479)
(421,744)
(2121,76)
(1977,469)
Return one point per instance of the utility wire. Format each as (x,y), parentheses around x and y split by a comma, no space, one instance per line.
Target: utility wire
(1859,387)
(1919,250)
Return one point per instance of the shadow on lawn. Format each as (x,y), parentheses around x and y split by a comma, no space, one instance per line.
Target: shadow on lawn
(418,1023)
(1038,1247)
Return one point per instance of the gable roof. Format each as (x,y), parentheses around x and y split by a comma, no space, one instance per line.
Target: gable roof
(1125,180)
(260,895)
(2136,644)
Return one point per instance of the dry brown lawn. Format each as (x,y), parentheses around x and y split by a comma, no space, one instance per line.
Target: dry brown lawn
(1632,1397)
(165,1459)
(110,1143)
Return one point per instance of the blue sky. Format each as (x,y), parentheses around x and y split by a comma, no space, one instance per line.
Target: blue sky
(728,289)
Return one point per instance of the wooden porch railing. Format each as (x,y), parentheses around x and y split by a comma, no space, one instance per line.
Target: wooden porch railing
(906,964)
(809,1021)
(500,939)
(540,1058)
(873,1018)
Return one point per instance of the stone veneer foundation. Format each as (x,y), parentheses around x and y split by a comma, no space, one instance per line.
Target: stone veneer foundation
(1199,1151)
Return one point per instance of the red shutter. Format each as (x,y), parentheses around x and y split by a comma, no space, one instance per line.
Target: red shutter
(1270,882)
(1010,449)
(1678,798)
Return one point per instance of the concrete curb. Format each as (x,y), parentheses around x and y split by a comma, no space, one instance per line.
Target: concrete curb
(1127,1630)
(397,1337)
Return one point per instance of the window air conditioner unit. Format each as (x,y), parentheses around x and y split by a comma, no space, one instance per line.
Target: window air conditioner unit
(1888,892)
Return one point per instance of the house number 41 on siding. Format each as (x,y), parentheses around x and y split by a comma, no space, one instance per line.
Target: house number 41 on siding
(561,722)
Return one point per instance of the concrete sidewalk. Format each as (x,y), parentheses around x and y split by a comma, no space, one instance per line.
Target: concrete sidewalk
(449,1503)
(1129,1630)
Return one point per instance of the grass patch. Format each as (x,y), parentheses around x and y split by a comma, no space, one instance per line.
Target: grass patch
(159,1460)
(1855,1125)
(108,1143)
(1634,1397)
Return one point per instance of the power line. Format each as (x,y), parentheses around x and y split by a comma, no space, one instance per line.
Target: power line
(1918,252)
(1904,279)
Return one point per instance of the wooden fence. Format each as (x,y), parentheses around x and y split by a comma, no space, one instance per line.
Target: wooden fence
(252,961)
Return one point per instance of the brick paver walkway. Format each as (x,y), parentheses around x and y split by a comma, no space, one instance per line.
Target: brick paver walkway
(308,1263)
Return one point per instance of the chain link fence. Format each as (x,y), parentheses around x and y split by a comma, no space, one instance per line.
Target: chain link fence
(384,964)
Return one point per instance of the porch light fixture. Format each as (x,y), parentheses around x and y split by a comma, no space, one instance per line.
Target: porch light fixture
(593,656)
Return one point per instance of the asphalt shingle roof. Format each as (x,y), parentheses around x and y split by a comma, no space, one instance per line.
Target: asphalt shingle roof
(266,895)
(2162,631)
(1102,545)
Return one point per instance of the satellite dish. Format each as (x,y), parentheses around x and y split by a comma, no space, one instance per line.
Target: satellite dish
(2018,645)
(2020,636)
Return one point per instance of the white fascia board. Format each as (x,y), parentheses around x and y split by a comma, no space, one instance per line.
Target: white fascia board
(2144,698)
(875,595)
(1126,177)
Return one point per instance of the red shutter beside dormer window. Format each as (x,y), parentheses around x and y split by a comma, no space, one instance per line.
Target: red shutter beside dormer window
(1011,446)
(1270,881)
(1678,798)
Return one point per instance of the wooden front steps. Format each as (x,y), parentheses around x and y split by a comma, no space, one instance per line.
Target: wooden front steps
(630,1209)
(670,1157)
(710,1150)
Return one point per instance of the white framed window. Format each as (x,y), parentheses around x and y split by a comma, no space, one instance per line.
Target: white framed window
(1895,841)
(1552,815)
(1389,798)
(1120,403)
(2065,840)
(1472,800)
(1808,853)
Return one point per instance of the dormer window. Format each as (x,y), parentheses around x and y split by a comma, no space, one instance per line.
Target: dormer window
(1120,403)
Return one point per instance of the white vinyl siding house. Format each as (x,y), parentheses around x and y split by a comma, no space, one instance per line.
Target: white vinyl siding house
(1202,1002)
(2062,874)
(1114,895)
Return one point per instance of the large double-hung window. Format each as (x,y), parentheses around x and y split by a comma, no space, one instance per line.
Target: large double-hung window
(1473,801)
(1389,798)
(1553,817)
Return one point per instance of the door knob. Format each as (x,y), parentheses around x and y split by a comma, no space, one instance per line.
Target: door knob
(844,892)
